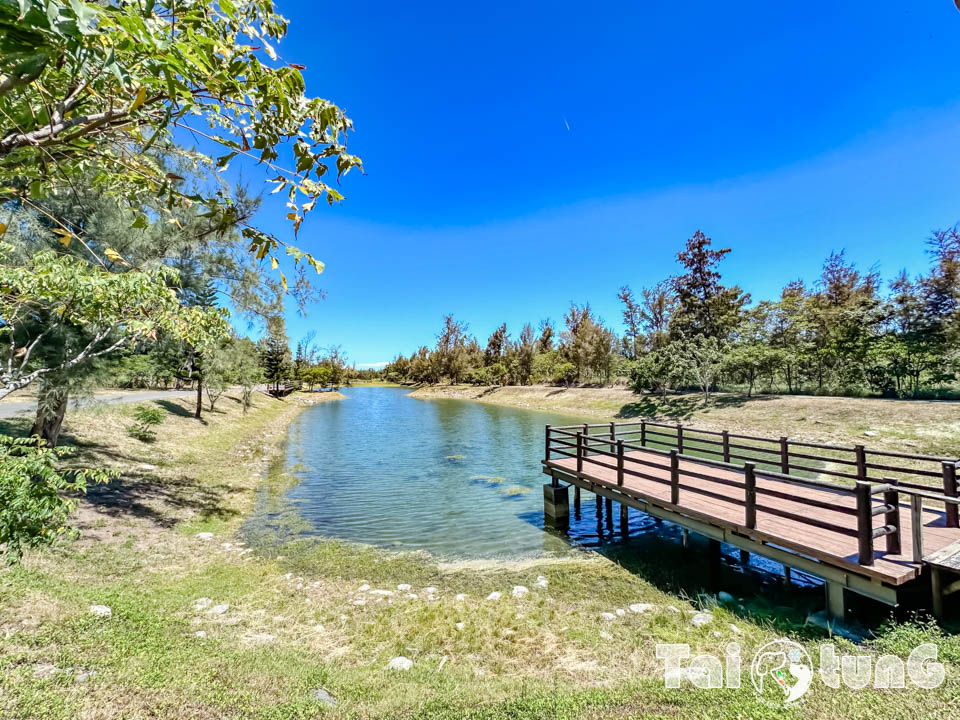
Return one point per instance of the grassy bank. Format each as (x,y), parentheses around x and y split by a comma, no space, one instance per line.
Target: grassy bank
(916,426)
(212,627)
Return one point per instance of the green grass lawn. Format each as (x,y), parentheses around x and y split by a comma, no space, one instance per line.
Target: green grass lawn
(306,616)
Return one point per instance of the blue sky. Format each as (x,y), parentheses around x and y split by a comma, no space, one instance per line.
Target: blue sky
(519,158)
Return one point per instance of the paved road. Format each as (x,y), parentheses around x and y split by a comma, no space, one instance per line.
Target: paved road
(12,409)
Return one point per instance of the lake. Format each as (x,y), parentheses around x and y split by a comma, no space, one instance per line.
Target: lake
(458,479)
(455,478)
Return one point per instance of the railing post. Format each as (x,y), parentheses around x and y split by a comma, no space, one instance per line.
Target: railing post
(784,456)
(674,478)
(546,444)
(619,462)
(750,489)
(586,439)
(864,523)
(579,452)
(680,438)
(613,434)
(726,446)
(643,433)
(916,526)
(891,498)
(952,515)
(861,463)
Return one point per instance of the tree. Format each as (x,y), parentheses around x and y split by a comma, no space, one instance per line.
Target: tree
(702,357)
(525,352)
(658,371)
(114,308)
(497,345)
(704,306)
(450,353)
(87,88)
(275,359)
(547,333)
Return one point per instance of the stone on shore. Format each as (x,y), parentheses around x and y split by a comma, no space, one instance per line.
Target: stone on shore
(101,611)
(400,663)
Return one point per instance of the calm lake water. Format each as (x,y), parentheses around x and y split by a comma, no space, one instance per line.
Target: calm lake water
(455,478)
(458,479)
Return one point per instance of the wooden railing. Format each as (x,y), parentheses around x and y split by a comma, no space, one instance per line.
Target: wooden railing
(605,446)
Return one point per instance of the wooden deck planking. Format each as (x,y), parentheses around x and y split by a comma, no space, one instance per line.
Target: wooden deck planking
(821,543)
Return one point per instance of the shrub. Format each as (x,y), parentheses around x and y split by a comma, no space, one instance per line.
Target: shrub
(565,373)
(147,417)
(33,511)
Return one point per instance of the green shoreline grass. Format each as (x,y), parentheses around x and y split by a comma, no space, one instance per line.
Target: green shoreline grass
(298,620)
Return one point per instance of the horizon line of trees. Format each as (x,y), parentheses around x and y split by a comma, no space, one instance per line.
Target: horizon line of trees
(847,333)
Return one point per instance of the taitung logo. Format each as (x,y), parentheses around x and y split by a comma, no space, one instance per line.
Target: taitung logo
(785,665)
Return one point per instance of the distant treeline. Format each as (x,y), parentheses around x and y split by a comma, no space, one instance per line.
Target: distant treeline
(847,333)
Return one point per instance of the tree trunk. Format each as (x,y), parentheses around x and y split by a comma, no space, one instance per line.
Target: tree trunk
(199,398)
(49,421)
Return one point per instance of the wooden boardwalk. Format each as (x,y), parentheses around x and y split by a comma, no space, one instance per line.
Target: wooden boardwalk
(719,500)
(874,535)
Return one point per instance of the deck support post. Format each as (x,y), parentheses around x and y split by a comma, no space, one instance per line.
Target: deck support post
(713,560)
(891,498)
(685,539)
(674,478)
(787,575)
(864,523)
(952,515)
(916,526)
(936,591)
(744,557)
(624,520)
(556,505)
(836,606)
(576,499)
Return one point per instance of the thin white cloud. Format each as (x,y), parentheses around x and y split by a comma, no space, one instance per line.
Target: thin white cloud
(374,365)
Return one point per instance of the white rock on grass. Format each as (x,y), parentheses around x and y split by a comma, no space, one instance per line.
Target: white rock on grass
(621,612)
(735,630)
(202,603)
(430,590)
(541,582)
(382,593)
(640,608)
(101,611)
(363,588)
(204,536)
(411,596)
(322,696)
(400,663)
(673,608)
(45,670)
(218,609)
(701,619)
(519,591)
(608,616)
(493,596)
(460,596)
(459,626)
(200,634)
(403,587)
